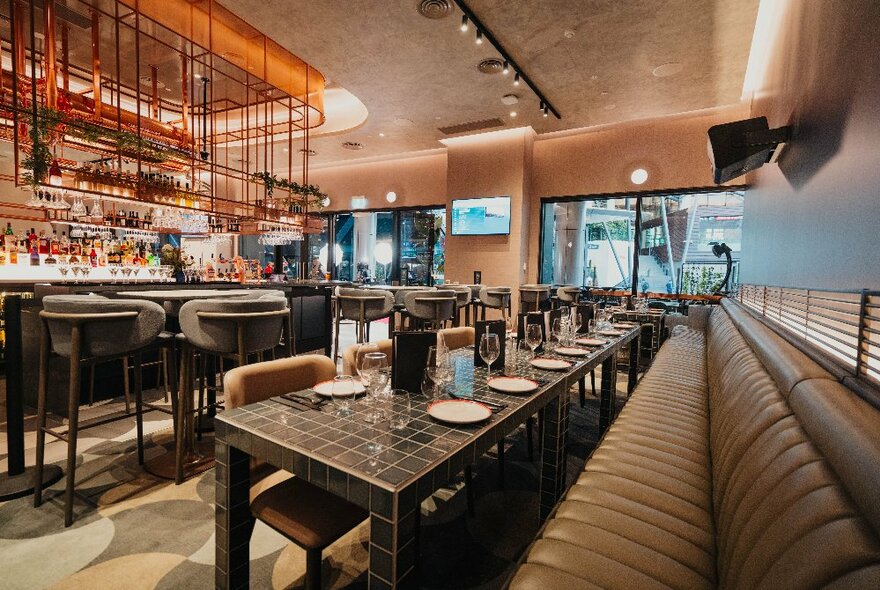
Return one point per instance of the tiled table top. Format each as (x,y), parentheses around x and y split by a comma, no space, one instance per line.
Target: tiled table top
(319,439)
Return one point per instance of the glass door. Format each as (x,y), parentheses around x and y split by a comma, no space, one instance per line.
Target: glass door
(417,240)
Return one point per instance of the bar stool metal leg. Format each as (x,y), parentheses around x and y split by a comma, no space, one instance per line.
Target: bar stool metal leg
(42,388)
(138,405)
(73,417)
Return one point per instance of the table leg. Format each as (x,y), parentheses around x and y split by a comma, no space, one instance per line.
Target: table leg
(233,521)
(634,353)
(608,393)
(553,454)
(394,523)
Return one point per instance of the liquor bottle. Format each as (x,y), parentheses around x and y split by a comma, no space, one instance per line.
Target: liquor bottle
(35,255)
(54,247)
(93,257)
(9,231)
(64,245)
(43,243)
(210,271)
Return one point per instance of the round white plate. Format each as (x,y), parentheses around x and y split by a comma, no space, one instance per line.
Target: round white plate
(325,388)
(611,332)
(572,351)
(459,411)
(512,384)
(590,341)
(550,364)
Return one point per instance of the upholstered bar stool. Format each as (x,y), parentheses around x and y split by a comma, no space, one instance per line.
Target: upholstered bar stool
(568,295)
(532,296)
(309,516)
(86,329)
(463,298)
(231,328)
(400,305)
(363,307)
(495,298)
(433,307)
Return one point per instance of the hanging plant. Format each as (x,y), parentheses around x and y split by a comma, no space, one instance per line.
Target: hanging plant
(42,134)
(309,195)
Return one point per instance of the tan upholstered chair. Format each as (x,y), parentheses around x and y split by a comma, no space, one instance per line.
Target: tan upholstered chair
(351,354)
(457,337)
(304,513)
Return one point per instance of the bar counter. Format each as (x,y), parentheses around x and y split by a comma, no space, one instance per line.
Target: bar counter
(309,303)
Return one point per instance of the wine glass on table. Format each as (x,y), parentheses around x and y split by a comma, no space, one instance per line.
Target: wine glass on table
(341,393)
(369,369)
(533,337)
(555,334)
(490,349)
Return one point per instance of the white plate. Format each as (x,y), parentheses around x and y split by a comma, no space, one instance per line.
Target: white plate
(550,364)
(572,351)
(459,411)
(325,388)
(512,384)
(623,325)
(590,341)
(611,333)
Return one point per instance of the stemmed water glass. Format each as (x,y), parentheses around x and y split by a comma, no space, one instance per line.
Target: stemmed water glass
(369,369)
(533,337)
(341,393)
(556,334)
(490,349)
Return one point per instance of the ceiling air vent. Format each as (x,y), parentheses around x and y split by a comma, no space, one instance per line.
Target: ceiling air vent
(353,145)
(491,65)
(435,8)
(309,152)
(471,126)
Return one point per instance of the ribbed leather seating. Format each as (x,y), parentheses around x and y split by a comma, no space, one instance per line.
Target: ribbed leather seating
(738,462)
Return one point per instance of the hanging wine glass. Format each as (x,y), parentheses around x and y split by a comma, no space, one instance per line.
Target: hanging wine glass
(97,210)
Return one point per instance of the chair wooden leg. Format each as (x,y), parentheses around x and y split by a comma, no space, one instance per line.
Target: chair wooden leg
(138,407)
(530,424)
(184,399)
(582,391)
(164,354)
(336,337)
(313,569)
(202,368)
(501,464)
(42,389)
(73,417)
(126,390)
(469,489)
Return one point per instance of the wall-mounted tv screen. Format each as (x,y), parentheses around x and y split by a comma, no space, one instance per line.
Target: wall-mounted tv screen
(486,216)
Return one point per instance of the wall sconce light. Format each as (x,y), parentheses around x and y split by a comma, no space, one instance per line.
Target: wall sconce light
(391,196)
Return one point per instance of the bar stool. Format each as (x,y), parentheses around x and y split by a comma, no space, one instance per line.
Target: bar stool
(463,297)
(399,305)
(532,296)
(434,306)
(87,329)
(568,295)
(363,307)
(495,298)
(230,328)
(309,516)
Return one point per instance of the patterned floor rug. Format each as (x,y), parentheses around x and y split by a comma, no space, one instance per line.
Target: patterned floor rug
(135,531)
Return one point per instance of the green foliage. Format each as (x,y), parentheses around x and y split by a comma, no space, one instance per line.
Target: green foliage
(309,194)
(700,280)
(619,230)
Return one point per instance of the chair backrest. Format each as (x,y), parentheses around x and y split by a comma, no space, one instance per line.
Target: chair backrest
(567,293)
(462,294)
(401,292)
(455,338)
(496,297)
(221,335)
(429,310)
(103,337)
(350,308)
(260,381)
(352,353)
(532,293)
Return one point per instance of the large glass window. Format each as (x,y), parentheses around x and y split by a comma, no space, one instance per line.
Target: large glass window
(591,241)
(422,243)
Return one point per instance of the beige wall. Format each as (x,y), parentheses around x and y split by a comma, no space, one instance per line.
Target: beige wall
(417,180)
(812,221)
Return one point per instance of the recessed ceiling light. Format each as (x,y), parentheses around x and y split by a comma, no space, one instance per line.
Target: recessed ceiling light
(352,145)
(639,176)
(610,106)
(513,114)
(668,69)
(285,150)
(381,135)
(603,93)
(509,99)
(568,34)
(594,77)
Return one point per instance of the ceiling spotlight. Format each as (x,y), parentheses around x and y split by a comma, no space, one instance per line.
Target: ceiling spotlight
(516,79)
(479,37)
(391,196)
(546,111)
(505,69)
(381,135)
(513,114)
(464,23)
(541,107)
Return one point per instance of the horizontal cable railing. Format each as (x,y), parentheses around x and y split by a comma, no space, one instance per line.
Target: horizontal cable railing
(845,325)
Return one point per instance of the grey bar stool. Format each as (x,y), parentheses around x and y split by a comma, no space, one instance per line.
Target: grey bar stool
(400,306)
(532,296)
(362,307)
(463,296)
(568,295)
(230,328)
(495,298)
(433,306)
(87,329)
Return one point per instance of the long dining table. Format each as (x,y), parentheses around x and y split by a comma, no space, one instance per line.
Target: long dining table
(335,454)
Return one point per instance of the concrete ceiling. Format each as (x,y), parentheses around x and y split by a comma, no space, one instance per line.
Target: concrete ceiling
(593,59)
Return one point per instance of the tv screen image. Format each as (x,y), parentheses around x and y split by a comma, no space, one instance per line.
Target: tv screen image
(485,216)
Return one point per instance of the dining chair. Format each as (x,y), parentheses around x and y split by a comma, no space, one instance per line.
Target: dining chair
(309,516)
